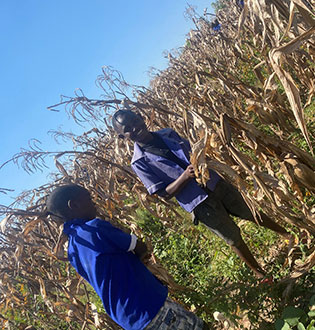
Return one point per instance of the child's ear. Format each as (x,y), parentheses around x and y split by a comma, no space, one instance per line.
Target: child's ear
(72,204)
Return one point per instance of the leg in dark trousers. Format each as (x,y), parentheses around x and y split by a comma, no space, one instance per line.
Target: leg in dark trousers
(235,205)
(215,211)
(213,214)
(270,224)
(243,252)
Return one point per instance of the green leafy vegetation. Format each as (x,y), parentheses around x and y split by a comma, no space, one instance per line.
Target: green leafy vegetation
(215,278)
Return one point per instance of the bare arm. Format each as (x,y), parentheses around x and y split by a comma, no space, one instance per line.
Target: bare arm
(141,250)
(176,186)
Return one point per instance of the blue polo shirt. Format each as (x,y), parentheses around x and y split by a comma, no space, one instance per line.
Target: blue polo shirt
(102,255)
(157,172)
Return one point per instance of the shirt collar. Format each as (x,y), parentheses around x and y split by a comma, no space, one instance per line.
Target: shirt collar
(67,225)
(138,152)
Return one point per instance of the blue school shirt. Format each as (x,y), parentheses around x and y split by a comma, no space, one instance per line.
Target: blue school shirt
(216,27)
(157,172)
(100,253)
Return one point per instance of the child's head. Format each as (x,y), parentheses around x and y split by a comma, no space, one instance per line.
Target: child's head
(130,125)
(71,202)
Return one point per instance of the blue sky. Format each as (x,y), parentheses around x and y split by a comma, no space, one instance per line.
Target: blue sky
(49,48)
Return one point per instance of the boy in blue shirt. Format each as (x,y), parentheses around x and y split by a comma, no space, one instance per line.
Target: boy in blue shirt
(161,161)
(110,260)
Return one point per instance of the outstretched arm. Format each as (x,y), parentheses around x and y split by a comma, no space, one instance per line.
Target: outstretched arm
(141,250)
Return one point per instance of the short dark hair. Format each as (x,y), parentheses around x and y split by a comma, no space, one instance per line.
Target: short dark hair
(123,113)
(57,201)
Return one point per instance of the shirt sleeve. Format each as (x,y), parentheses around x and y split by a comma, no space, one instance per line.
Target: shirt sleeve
(133,242)
(150,180)
(113,240)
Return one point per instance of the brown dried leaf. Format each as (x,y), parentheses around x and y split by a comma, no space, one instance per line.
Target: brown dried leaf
(30,226)
(276,56)
(60,167)
(302,172)
(3,222)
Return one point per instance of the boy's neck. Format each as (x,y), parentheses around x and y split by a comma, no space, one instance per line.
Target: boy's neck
(146,139)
